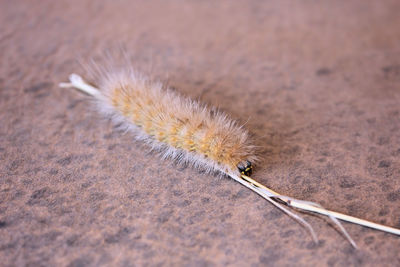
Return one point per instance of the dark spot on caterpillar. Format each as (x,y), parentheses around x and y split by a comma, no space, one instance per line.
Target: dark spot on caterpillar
(323,71)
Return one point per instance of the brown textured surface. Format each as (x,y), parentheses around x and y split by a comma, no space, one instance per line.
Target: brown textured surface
(318,83)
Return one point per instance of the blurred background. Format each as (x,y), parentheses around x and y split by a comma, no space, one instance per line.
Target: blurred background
(317,84)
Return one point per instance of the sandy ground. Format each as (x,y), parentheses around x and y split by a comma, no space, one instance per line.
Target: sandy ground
(316,81)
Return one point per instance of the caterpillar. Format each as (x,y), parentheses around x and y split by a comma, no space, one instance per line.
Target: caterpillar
(177,127)
(190,132)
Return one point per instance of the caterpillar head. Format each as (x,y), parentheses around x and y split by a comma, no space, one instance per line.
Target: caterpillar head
(245,168)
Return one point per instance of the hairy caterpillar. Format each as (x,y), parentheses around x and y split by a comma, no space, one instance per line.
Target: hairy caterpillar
(178,127)
(190,132)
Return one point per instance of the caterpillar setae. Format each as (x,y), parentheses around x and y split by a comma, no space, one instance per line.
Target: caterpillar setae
(189,132)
